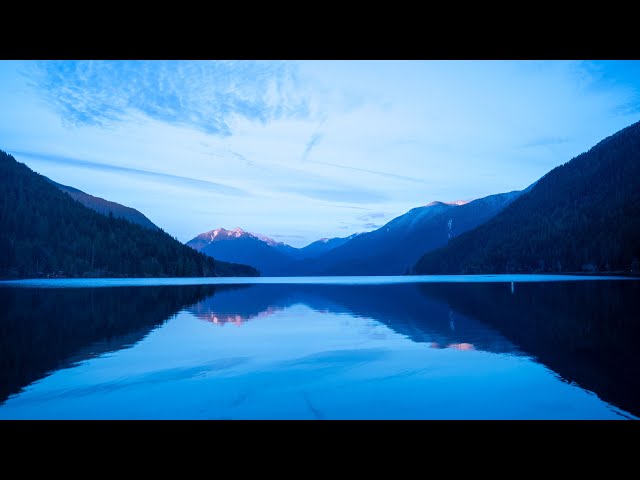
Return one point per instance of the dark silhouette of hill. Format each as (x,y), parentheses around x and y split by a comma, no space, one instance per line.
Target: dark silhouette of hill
(394,248)
(45,232)
(106,207)
(581,216)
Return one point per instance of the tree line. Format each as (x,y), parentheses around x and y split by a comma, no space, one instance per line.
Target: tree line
(582,216)
(45,232)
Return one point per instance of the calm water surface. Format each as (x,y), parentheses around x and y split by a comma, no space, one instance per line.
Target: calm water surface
(460,347)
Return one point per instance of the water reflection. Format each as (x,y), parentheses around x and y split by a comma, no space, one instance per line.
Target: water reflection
(318,335)
(403,307)
(586,332)
(239,305)
(44,329)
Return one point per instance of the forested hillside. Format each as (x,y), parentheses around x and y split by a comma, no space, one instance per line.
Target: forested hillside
(45,232)
(581,216)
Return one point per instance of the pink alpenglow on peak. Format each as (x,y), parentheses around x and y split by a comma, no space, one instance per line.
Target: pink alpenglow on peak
(455,202)
(224,234)
(267,240)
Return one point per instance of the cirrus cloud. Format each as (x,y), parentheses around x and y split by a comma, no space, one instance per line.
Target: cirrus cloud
(207,95)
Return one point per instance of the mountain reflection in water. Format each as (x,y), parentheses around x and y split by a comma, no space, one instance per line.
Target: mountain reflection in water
(586,332)
(403,307)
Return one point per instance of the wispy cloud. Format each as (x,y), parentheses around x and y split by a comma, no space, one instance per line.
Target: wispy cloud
(346,206)
(240,157)
(546,142)
(289,236)
(629,108)
(157,176)
(225,154)
(313,141)
(207,95)
(374,172)
(371,216)
(347,195)
(358,227)
(317,142)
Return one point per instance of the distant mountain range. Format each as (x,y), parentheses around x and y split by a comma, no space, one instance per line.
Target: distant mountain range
(581,216)
(392,249)
(44,231)
(106,207)
(243,247)
(324,245)
(269,256)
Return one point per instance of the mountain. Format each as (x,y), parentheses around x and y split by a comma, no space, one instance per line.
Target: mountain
(204,239)
(321,246)
(583,215)
(266,254)
(106,207)
(45,232)
(394,248)
(236,245)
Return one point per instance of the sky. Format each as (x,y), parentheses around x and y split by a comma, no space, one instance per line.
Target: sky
(300,150)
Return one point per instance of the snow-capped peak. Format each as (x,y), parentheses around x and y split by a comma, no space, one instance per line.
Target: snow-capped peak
(268,240)
(455,202)
(214,233)
(222,233)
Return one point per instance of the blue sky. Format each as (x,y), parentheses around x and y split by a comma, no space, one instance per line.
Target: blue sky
(299,150)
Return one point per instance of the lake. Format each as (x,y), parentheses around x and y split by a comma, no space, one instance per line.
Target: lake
(437,347)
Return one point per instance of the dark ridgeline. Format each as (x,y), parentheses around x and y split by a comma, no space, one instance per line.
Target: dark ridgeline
(50,328)
(395,247)
(45,232)
(105,207)
(319,247)
(585,331)
(581,216)
(392,249)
